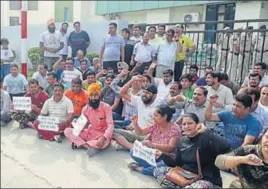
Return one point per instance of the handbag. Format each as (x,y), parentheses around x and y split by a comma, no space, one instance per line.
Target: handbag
(182,177)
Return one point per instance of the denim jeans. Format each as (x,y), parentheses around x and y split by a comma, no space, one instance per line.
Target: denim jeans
(121,124)
(116,116)
(147,168)
(5,70)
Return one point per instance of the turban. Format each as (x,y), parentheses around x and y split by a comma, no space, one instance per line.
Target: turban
(94,88)
(51,21)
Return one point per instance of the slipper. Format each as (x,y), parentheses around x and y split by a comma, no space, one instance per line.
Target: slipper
(134,166)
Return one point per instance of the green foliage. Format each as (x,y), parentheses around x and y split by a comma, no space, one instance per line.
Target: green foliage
(34,56)
(92,55)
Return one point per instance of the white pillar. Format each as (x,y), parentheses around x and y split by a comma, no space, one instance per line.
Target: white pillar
(77,10)
(4,13)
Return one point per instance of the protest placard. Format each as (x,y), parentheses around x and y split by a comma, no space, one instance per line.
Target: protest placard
(22,103)
(79,124)
(48,123)
(143,152)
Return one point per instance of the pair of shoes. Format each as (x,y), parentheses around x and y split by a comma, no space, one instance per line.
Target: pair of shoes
(117,146)
(74,146)
(92,151)
(39,136)
(58,138)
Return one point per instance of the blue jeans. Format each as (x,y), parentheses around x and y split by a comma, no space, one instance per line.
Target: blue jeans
(147,168)
(116,116)
(121,124)
(5,70)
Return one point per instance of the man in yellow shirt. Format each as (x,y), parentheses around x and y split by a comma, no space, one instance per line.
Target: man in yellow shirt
(154,40)
(188,48)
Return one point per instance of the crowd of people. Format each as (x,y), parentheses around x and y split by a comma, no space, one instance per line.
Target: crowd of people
(136,90)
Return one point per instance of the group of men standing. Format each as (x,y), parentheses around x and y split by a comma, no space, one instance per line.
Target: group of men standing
(237,51)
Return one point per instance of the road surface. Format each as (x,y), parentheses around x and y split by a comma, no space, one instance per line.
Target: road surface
(27,162)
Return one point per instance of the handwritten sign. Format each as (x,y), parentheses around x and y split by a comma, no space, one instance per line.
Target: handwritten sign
(48,123)
(143,152)
(22,103)
(79,124)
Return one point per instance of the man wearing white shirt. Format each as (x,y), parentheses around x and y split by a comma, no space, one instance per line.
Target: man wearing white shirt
(260,112)
(166,53)
(5,106)
(224,94)
(64,51)
(264,97)
(51,42)
(259,68)
(163,84)
(143,53)
(137,37)
(7,56)
(41,75)
(145,106)
(70,73)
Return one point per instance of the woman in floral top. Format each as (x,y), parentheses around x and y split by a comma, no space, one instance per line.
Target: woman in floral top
(162,135)
(251,162)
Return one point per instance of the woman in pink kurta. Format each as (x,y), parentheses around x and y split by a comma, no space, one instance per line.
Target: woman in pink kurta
(100,125)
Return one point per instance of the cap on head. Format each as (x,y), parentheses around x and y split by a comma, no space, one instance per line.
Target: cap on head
(94,88)
(51,21)
(123,65)
(151,88)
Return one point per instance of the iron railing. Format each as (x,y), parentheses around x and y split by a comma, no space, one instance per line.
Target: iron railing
(210,52)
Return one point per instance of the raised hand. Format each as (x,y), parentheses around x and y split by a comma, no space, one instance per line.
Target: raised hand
(252,159)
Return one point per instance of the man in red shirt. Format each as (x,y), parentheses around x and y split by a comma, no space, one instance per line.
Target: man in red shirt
(193,72)
(38,98)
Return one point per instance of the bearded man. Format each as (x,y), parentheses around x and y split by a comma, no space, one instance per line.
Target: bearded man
(145,106)
(99,127)
(51,42)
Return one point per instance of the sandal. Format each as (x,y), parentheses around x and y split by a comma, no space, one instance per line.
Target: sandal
(134,166)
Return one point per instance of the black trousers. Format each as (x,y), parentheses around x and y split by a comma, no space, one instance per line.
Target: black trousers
(19,95)
(140,69)
(111,64)
(178,68)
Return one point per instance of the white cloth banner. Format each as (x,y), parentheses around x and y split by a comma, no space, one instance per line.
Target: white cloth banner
(79,124)
(22,103)
(143,152)
(48,123)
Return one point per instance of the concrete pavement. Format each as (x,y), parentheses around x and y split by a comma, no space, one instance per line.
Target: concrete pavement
(29,162)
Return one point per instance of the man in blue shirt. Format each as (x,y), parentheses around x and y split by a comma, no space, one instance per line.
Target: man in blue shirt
(79,57)
(240,127)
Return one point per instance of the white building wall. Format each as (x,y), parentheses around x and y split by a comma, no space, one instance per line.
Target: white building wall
(247,10)
(46,10)
(84,11)
(264,12)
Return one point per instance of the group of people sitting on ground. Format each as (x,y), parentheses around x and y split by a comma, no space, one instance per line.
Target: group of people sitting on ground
(196,126)
(175,118)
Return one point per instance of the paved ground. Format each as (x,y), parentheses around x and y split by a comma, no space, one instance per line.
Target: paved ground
(29,162)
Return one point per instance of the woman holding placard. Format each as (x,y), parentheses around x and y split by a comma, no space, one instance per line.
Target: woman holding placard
(162,135)
(195,156)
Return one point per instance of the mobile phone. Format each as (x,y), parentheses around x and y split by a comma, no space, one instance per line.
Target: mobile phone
(186,175)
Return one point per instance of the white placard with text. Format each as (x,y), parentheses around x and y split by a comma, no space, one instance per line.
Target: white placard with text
(22,103)
(79,124)
(143,152)
(48,123)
